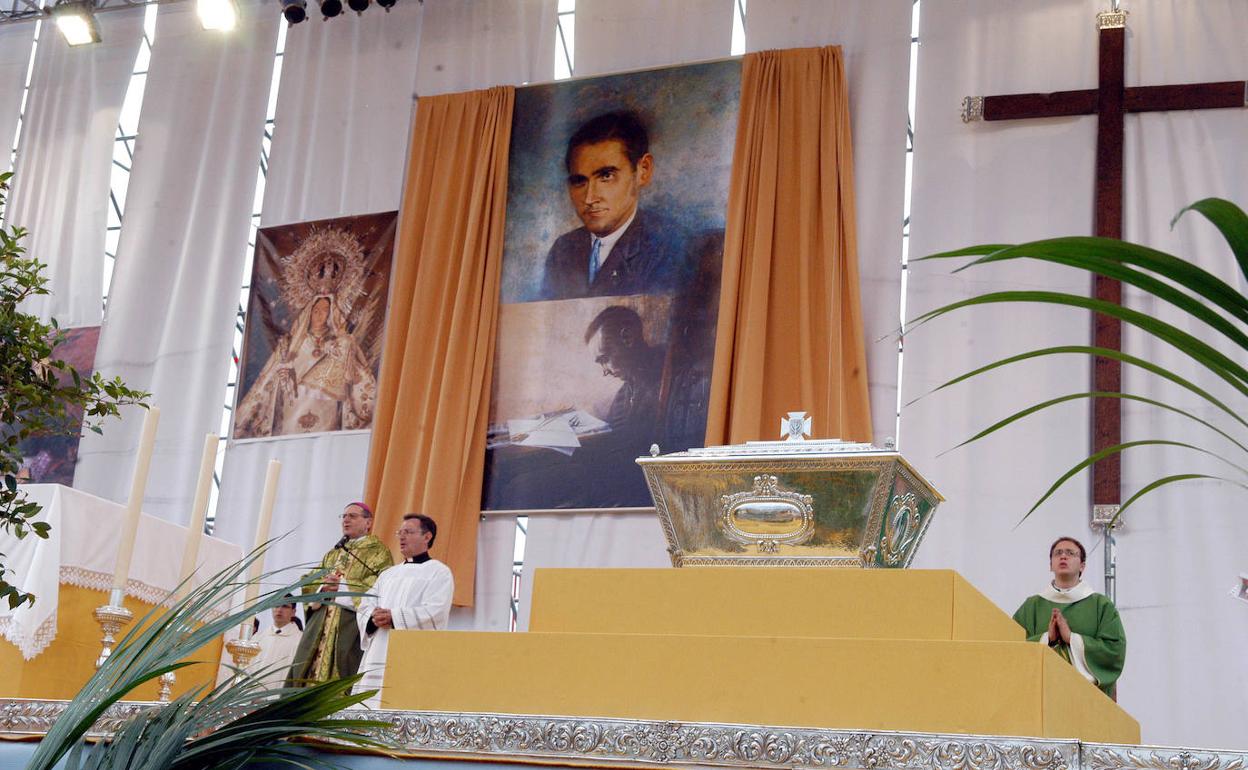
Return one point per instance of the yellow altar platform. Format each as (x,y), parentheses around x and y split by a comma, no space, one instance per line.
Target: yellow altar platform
(840,649)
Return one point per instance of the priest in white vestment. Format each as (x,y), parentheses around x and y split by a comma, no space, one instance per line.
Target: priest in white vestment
(413,595)
(277,647)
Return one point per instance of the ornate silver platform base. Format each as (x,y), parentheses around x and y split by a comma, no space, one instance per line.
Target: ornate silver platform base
(112,617)
(633,742)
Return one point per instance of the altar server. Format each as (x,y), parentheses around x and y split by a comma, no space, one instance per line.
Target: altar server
(413,595)
(277,646)
(1079,624)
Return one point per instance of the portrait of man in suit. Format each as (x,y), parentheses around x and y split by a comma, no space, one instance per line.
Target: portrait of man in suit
(623,247)
(617,195)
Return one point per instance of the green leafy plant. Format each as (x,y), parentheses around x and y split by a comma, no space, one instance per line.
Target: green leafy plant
(228,726)
(40,394)
(1195,292)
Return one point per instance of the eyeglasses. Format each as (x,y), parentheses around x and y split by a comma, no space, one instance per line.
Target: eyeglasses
(350,516)
(402,532)
(1065,552)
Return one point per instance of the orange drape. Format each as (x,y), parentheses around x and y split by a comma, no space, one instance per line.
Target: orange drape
(428,450)
(789,334)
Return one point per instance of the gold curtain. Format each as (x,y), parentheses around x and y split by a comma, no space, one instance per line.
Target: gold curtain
(789,333)
(428,449)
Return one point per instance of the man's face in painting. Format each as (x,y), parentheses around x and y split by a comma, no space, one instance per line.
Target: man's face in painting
(604,185)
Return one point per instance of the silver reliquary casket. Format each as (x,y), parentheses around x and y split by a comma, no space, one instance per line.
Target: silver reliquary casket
(790,503)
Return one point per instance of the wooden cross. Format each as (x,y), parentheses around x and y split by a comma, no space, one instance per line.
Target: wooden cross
(1110,101)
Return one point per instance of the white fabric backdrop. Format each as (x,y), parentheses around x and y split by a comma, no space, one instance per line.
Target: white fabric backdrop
(340,138)
(1023,180)
(466,46)
(612,36)
(1183,547)
(60,190)
(491,609)
(15,40)
(183,243)
(589,540)
(874,36)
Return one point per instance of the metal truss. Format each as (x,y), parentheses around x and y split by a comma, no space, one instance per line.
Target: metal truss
(13,11)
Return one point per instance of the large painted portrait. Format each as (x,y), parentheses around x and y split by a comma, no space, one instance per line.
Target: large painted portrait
(50,458)
(616,202)
(315,321)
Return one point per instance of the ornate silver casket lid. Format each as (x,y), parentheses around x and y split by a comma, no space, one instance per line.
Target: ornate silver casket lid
(792,502)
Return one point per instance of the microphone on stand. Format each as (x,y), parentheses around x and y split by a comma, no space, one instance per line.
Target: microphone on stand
(342,544)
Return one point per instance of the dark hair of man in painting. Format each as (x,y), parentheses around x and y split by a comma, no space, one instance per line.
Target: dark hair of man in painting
(623,338)
(426,523)
(624,126)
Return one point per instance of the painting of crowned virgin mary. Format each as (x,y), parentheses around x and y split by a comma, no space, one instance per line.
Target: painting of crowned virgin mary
(312,347)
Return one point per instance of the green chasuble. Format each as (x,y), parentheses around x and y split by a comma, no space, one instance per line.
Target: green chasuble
(1098,644)
(330,645)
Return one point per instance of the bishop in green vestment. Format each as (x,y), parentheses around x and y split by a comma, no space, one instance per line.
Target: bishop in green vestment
(1079,624)
(330,646)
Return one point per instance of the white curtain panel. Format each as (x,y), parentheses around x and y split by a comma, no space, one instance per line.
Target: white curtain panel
(15,44)
(874,36)
(170,316)
(60,190)
(612,36)
(984,183)
(1008,182)
(491,608)
(344,106)
(596,540)
(1183,547)
(467,46)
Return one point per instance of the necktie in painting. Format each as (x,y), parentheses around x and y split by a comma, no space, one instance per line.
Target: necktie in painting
(594,251)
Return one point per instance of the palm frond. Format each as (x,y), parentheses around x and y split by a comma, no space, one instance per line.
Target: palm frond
(224,726)
(1197,293)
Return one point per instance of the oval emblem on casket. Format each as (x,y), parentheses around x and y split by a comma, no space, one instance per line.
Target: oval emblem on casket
(767,516)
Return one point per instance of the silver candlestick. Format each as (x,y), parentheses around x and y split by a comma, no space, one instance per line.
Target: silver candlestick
(112,617)
(243,649)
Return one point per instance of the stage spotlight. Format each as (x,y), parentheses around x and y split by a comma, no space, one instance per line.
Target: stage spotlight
(359,6)
(76,21)
(331,8)
(217,14)
(294,11)
(388,4)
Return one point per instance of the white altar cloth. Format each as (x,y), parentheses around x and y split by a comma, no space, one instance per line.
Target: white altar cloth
(81,550)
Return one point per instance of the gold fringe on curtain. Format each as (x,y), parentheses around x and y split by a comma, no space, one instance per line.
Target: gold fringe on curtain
(789,333)
(428,448)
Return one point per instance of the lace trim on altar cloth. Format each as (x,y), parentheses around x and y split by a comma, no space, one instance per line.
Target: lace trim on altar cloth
(31,645)
(144,592)
(86,578)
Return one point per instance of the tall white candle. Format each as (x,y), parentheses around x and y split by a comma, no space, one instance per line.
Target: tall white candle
(262,527)
(195,532)
(138,486)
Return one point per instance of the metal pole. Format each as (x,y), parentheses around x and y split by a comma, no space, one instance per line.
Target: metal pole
(1111,565)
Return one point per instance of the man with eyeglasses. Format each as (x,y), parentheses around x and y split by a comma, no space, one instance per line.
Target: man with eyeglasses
(1079,624)
(414,595)
(330,645)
